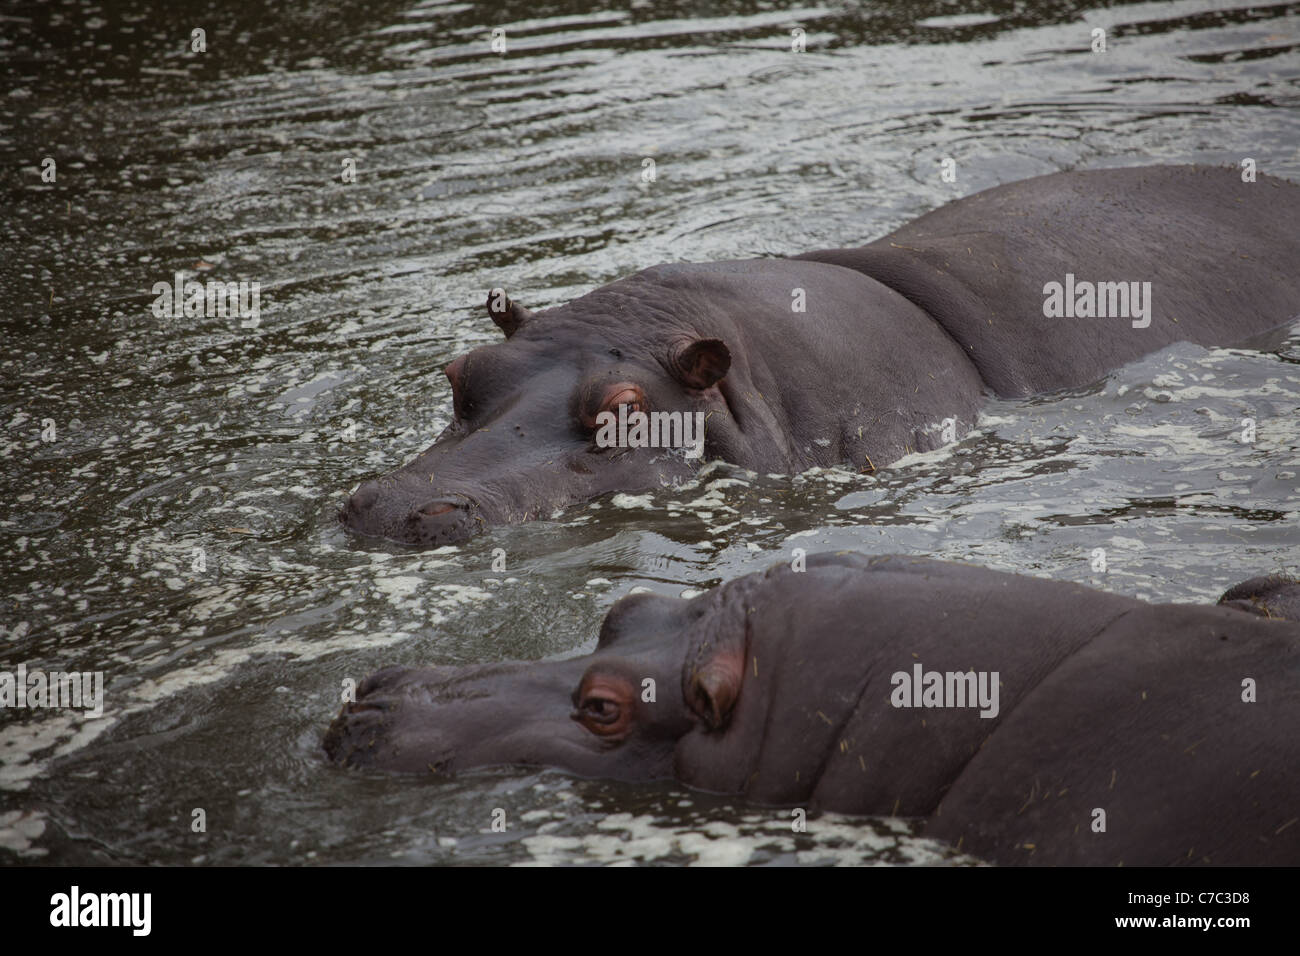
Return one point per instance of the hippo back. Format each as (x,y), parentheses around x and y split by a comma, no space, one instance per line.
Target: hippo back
(1222,257)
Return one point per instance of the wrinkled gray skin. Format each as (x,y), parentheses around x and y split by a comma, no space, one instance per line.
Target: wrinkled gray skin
(897,336)
(776,686)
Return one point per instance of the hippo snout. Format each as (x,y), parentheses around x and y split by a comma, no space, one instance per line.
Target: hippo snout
(360,512)
(410,517)
(356,725)
(448,719)
(444,520)
(371,729)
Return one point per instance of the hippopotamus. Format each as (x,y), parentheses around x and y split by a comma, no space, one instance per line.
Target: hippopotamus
(1027,721)
(845,357)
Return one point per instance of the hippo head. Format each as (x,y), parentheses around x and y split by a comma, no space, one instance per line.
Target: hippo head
(629,711)
(526,439)
(769,686)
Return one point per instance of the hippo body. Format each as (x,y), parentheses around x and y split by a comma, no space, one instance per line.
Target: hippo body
(846,356)
(783,687)
(1222,257)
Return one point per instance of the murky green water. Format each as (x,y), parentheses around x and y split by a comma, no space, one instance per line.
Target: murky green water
(524,170)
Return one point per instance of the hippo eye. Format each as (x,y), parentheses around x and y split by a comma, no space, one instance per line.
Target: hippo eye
(603,705)
(633,398)
(598,399)
(600,710)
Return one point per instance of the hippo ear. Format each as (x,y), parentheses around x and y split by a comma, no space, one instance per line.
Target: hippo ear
(699,363)
(507,314)
(715,686)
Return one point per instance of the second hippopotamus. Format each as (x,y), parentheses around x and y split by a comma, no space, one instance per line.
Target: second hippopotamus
(845,356)
(1027,721)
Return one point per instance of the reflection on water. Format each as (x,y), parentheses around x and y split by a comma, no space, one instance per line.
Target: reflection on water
(178,532)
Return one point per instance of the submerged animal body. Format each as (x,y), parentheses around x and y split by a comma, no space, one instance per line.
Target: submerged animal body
(846,356)
(1027,721)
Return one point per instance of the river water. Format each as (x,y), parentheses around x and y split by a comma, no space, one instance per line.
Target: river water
(169,484)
